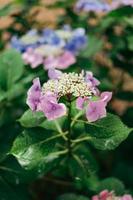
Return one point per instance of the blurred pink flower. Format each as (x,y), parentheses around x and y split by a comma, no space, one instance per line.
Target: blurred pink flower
(106,195)
(32,58)
(60,62)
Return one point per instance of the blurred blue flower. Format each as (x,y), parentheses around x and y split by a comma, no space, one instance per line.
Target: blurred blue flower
(50,37)
(64,39)
(77,42)
(17,44)
(92,5)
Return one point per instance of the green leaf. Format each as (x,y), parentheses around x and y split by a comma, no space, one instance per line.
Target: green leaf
(11,68)
(94,45)
(130,42)
(107,133)
(2,95)
(6,10)
(121,12)
(82,166)
(112,184)
(35,150)
(55,125)
(12,172)
(8,191)
(71,196)
(31,119)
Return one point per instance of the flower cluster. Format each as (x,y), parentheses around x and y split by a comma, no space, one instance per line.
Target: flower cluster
(80,87)
(106,195)
(52,48)
(100,5)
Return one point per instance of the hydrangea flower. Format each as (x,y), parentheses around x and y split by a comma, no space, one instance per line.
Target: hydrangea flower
(80,87)
(106,195)
(92,5)
(52,48)
(100,5)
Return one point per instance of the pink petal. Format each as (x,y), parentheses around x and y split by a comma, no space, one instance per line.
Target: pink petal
(65,60)
(50,63)
(54,74)
(106,96)
(34,95)
(32,58)
(95,110)
(51,108)
(127,197)
(80,102)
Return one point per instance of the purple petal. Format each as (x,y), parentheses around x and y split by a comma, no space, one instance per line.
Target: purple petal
(91,80)
(95,110)
(51,108)
(80,102)
(34,95)
(106,96)
(54,74)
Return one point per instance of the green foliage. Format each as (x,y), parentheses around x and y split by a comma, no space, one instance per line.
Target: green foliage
(72,197)
(11,68)
(31,119)
(6,10)
(94,46)
(112,184)
(107,133)
(34,151)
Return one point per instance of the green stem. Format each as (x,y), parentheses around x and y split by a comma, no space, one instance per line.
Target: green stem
(60,130)
(76,117)
(69,129)
(86,122)
(80,140)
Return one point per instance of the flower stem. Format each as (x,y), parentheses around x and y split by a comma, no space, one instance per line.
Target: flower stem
(69,129)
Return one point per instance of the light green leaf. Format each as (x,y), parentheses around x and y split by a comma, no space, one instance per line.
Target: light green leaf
(94,45)
(31,119)
(11,68)
(34,151)
(130,42)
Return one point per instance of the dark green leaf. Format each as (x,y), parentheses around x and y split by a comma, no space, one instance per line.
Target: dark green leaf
(8,192)
(107,133)
(112,184)
(71,196)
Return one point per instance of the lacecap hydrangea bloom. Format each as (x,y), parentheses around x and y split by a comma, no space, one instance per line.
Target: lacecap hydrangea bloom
(106,195)
(100,5)
(52,48)
(80,87)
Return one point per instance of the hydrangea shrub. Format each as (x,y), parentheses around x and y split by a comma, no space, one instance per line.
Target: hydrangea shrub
(67,116)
